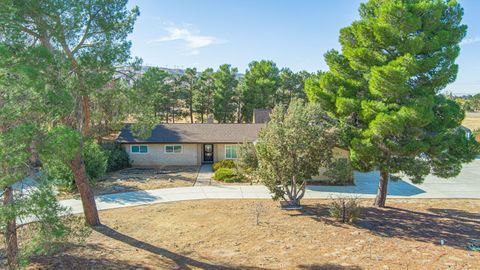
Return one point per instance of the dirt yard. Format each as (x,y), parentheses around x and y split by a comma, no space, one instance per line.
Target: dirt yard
(223,234)
(137,178)
(472,121)
(132,179)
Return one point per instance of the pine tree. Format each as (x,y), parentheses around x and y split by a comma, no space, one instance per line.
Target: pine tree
(384,87)
(203,96)
(261,82)
(224,93)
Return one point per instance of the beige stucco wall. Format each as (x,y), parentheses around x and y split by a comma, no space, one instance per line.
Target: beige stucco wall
(156,155)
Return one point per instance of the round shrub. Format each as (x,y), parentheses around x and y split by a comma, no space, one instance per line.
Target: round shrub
(117,157)
(226,163)
(227,175)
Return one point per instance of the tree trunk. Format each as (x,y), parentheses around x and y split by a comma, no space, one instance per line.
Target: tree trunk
(10,232)
(191,114)
(86,119)
(295,193)
(88,200)
(382,190)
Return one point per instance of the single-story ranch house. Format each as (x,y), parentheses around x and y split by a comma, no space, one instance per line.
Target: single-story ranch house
(194,144)
(187,144)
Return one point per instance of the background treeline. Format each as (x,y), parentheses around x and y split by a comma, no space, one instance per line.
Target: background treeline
(469,103)
(223,95)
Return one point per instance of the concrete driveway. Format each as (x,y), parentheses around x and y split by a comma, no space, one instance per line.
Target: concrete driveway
(466,185)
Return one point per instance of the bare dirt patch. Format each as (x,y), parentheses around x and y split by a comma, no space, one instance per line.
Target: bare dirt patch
(143,178)
(140,178)
(472,120)
(223,234)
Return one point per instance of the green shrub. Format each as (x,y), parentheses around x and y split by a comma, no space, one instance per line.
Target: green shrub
(226,163)
(247,160)
(345,209)
(95,160)
(117,157)
(95,165)
(60,173)
(227,175)
(340,172)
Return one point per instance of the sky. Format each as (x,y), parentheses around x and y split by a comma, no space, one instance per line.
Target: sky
(292,33)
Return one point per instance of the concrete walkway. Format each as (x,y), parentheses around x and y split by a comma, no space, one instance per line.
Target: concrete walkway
(204,176)
(466,185)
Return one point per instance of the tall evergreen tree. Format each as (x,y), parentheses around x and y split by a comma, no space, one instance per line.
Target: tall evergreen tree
(189,82)
(223,97)
(87,39)
(291,86)
(203,96)
(262,80)
(151,95)
(30,103)
(384,87)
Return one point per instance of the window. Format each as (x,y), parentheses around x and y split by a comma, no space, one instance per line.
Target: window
(139,149)
(173,149)
(230,151)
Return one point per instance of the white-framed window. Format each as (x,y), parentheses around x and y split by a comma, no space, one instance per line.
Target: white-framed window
(230,151)
(173,149)
(139,149)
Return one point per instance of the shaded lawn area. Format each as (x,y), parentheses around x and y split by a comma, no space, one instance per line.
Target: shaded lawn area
(223,234)
(142,178)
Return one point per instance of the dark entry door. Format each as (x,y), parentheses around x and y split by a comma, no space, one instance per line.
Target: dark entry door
(208,152)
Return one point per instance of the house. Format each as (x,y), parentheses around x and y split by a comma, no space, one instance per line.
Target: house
(187,144)
(196,144)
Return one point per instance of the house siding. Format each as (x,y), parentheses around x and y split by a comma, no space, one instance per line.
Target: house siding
(157,156)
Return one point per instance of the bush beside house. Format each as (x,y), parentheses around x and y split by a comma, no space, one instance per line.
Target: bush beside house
(226,163)
(117,157)
(227,175)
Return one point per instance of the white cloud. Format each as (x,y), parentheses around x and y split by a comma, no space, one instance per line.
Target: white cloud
(193,40)
(467,41)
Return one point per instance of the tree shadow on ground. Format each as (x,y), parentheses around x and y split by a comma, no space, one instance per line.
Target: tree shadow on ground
(66,261)
(128,197)
(180,261)
(318,212)
(456,227)
(327,266)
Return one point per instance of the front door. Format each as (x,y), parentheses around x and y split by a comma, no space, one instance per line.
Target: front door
(208,153)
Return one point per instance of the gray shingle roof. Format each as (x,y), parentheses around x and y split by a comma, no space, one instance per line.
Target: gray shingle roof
(195,133)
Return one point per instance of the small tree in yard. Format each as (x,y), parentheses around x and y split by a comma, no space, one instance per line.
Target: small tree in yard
(384,88)
(292,148)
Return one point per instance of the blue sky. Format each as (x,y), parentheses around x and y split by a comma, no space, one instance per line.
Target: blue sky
(292,33)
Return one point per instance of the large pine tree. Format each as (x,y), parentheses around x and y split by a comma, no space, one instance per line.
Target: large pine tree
(385,85)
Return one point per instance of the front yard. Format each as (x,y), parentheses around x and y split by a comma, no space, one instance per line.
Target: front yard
(223,234)
(139,178)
